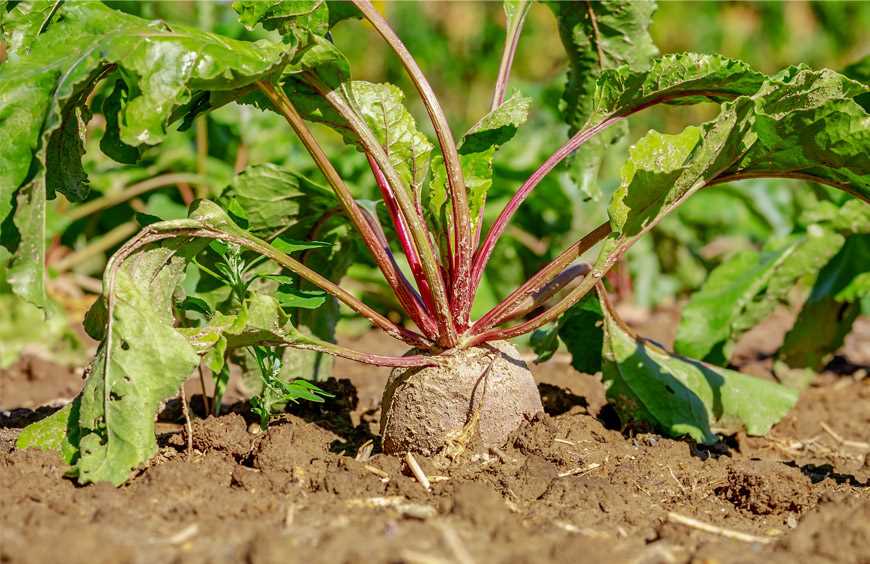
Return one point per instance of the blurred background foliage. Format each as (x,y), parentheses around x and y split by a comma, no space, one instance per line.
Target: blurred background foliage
(458,45)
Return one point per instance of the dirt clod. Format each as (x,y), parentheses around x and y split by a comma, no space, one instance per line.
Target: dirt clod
(835,533)
(479,504)
(222,434)
(766,488)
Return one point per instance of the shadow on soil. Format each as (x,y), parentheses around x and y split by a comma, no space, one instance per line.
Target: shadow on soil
(19,417)
(819,472)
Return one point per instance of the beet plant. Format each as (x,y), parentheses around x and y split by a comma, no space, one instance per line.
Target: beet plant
(275,240)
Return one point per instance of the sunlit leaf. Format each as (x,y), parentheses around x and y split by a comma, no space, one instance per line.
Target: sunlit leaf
(382,107)
(799,122)
(599,36)
(745,289)
(680,396)
(142,362)
(43,88)
(680,78)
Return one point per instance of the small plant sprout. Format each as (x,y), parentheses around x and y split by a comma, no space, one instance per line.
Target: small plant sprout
(427,236)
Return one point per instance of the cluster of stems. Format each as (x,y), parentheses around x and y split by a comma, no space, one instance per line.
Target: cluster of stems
(440,299)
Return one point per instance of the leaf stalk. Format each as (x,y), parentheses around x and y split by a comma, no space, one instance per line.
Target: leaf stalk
(460,268)
(382,255)
(416,225)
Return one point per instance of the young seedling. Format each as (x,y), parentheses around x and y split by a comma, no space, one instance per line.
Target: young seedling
(457,367)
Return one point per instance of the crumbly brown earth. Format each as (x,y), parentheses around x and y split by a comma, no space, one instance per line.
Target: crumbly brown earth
(567,487)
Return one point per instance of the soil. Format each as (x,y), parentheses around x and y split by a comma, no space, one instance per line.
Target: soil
(568,486)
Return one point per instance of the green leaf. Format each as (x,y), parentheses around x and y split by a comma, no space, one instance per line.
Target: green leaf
(260,320)
(273,14)
(43,88)
(745,289)
(649,177)
(275,391)
(685,78)
(264,320)
(476,152)
(297,20)
(323,59)
(96,319)
(20,23)
(781,130)
(142,362)
(340,10)
(382,107)
(272,199)
(599,36)
(808,122)
(66,147)
(331,257)
(144,359)
(498,126)
(830,310)
(57,432)
(210,337)
(680,78)
(680,396)
(310,105)
(545,342)
(289,297)
(795,123)
(580,328)
(26,271)
(290,246)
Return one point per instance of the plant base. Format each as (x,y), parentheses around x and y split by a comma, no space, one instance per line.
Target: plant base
(423,408)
